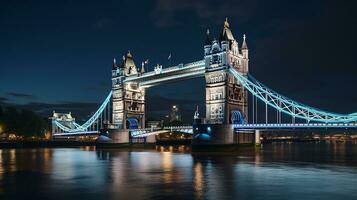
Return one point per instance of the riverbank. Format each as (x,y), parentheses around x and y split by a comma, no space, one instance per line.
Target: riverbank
(69,144)
(205,148)
(44,144)
(56,144)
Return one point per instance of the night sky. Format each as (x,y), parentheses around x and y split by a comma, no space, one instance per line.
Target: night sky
(57,55)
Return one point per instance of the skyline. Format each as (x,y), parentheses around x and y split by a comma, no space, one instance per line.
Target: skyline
(55,68)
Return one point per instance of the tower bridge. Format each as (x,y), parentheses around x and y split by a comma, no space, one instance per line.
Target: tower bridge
(225,67)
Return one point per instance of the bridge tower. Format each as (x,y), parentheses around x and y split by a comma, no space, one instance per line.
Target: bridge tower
(128,97)
(65,119)
(226,98)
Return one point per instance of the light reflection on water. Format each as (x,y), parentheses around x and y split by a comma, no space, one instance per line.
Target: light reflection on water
(276,171)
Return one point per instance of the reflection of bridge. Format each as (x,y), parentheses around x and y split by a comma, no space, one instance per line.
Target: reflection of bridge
(229,91)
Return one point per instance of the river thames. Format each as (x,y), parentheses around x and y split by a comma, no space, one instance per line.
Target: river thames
(275,171)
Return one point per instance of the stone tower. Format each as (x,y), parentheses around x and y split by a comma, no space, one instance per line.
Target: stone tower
(128,97)
(226,98)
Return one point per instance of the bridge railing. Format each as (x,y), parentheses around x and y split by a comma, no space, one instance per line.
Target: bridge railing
(288,106)
(296,126)
(166,70)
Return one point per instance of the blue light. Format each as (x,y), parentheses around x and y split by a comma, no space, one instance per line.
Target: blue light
(286,105)
(90,121)
(203,136)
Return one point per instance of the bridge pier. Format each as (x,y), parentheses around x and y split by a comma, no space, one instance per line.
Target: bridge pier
(222,137)
(212,134)
(150,139)
(114,136)
(257,137)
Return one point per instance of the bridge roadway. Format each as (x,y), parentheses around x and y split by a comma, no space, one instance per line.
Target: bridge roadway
(153,131)
(80,133)
(179,72)
(135,132)
(285,126)
(188,129)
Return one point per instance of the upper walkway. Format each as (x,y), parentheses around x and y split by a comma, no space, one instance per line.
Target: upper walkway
(178,72)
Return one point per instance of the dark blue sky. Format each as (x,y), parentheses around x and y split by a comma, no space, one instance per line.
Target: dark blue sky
(58,54)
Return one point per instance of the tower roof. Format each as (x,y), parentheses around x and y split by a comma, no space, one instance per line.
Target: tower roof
(226,23)
(129,60)
(226,33)
(128,64)
(244,45)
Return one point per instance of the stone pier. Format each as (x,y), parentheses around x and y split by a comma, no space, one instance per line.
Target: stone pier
(150,139)
(257,137)
(115,136)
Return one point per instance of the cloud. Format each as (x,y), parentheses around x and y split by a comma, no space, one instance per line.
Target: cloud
(80,110)
(103,23)
(167,13)
(103,85)
(157,107)
(21,95)
(3,99)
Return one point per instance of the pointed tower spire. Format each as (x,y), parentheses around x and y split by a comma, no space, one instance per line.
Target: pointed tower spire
(226,33)
(114,64)
(226,23)
(142,70)
(197,115)
(244,45)
(208,38)
(129,54)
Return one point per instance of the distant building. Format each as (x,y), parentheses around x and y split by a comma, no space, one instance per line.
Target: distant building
(154,124)
(174,114)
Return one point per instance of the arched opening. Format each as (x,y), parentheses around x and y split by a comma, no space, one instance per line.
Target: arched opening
(237,117)
(132,123)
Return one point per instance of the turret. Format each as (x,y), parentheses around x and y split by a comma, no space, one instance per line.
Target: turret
(245,60)
(142,70)
(208,43)
(114,68)
(244,47)
(129,66)
(114,64)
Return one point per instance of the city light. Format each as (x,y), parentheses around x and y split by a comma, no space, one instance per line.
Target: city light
(12,136)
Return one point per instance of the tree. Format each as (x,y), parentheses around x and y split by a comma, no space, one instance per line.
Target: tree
(24,123)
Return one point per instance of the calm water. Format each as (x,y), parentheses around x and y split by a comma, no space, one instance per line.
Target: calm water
(276,171)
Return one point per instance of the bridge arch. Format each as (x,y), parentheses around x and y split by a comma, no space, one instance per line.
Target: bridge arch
(132,123)
(237,117)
